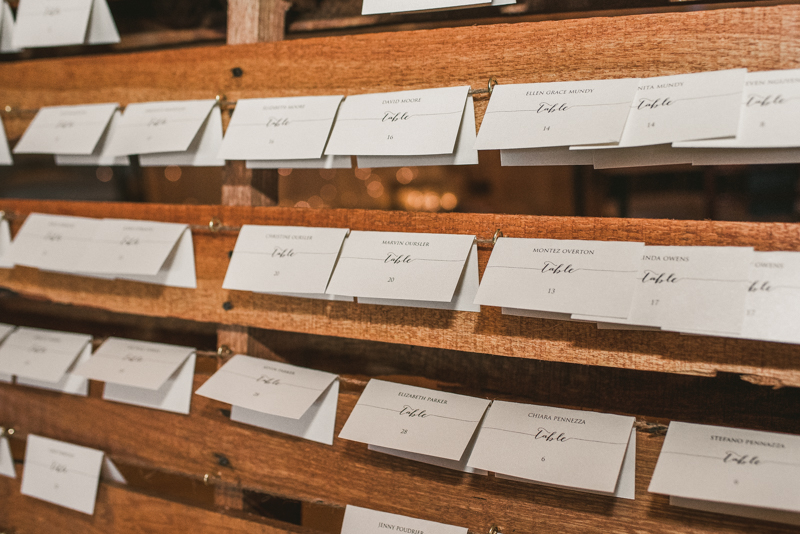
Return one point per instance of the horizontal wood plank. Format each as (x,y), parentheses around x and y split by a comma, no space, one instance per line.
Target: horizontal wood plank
(594,48)
(346,473)
(487,332)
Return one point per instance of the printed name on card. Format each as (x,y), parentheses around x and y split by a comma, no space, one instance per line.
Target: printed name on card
(53,242)
(405,123)
(202,151)
(66,129)
(364,521)
(42,23)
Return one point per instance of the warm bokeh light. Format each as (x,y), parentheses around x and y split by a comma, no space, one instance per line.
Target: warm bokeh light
(302,204)
(327,174)
(284,172)
(431,202)
(405,175)
(328,192)
(375,189)
(415,200)
(363,174)
(316,202)
(104,174)
(449,201)
(172,173)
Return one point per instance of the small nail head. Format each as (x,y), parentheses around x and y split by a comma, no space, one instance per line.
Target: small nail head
(214,225)
(227,305)
(224,350)
(237,72)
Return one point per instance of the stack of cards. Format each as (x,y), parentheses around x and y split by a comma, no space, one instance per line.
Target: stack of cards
(46,359)
(277,396)
(422,127)
(152,375)
(420,424)
(63,22)
(730,471)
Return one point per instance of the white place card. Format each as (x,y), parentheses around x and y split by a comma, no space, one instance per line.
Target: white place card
(538,157)
(325,162)
(376,7)
(283,259)
(640,156)
(567,448)
(465,152)
(769,111)
(563,276)
(70,383)
(157,127)
(101,154)
(772,305)
(175,395)
(177,270)
(413,419)
(202,151)
(63,22)
(5,330)
(6,262)
(405,123)
(395,265)
(463,298)
(53,242)
(7,468)
(5,153)
(731,466)
(6,29)
(364,521)
(744,156)
(536,115)
(294,128)
(38,354)
(139,364)
(61,473)
(66,129)
(700,290)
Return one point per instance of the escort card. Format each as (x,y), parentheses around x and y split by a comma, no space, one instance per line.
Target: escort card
(277,396)
(463,298)
(394,265)
(66,129)
(7,468)
(283,259)
(465,152)
(5,245)
(325,162)
(5,330)
(131,248)
(641,156)
(684,107)
(5,153)
(769,111)
(564,276)
(61,473)
(175,395)
(772,305)
(101,154)
(537,157)
(53,242)
(405,123)
(6,29)
(157,127)
(728,465)
(567,448)
(744,156)
(202,151)
(63,22)
(556,114)
(364,521)
(699,290)
(70,383)
(294,128)
(416,420)
(42,355)
(177,270)
(138,364)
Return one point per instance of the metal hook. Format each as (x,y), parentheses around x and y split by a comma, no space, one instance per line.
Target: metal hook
(214,225)
(6,432)
(494,530)
(497,234)
(491,85)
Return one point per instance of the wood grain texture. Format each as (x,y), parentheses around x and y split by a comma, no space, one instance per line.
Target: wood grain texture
(346,473)
(487,332)
(120,511)
(611,47)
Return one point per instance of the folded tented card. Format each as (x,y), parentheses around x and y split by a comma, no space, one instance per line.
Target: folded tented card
(177,270)
(564,276)
(202,151)
(70,383)
(101,154)
(5,330)
(7,468)
(61,473)
(463,298)
(413,419)
(295,128)
(640,156)
(266,386)
(569,448)
(63,22)
(731,466)
(406,123)
(175,395)
(769,111)
(7,29)
(53,242)
(43,355)
(684,107)
(555,114)
(5,245)
(465,152)
(537,157)
(66,129)
(772,305)
(395,265)
(5,153)
(277,396)
(375,7)
(139,364)
(692,289)
(364,521)
(156,127)
(744,156)
(325,162)
(124,247)
(283,259)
